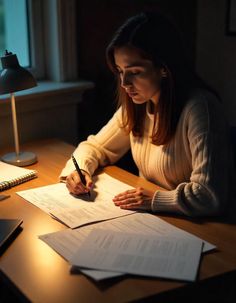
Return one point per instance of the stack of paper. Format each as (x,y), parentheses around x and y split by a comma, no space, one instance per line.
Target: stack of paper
(165,257)
(69,242)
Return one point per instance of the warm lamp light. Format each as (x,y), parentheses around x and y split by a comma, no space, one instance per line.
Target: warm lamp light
(15,78)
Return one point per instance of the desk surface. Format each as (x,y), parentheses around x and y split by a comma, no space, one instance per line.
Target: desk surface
(42,275)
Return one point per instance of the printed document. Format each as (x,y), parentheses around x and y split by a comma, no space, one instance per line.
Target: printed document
(75,211)
(67,242)
(146,255)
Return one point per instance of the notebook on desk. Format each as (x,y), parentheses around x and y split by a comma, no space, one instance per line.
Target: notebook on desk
(7,228)
(13,175)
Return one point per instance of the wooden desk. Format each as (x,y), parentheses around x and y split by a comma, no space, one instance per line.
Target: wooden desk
(41,275)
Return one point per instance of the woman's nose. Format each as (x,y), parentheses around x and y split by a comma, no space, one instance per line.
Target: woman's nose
(125,81)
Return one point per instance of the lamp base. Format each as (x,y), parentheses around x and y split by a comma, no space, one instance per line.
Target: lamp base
(23,159)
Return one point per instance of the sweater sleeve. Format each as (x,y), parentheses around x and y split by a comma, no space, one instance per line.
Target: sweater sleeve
(104,148)
(206,192)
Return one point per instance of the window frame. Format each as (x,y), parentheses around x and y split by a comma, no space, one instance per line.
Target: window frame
(53,39)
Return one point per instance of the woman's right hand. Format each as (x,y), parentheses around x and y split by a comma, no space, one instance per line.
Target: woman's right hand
(75,185)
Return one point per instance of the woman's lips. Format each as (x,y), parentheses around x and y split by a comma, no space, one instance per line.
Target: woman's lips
(131,94)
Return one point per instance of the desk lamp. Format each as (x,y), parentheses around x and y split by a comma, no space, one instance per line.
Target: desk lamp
(15,78)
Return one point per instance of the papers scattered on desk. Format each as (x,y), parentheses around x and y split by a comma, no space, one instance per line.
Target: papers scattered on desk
(165,257)
(77,211)
(67,242)
(136,243)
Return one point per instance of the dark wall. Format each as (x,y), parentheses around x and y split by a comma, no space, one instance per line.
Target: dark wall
(97,21)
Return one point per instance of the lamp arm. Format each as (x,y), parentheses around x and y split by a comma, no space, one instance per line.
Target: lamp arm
(14,121)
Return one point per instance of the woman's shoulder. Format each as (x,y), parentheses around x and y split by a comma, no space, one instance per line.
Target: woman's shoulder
(204,108)
(202,98)
(118,117)
(203,102)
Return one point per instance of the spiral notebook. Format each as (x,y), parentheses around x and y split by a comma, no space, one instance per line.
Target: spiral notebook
(11,175)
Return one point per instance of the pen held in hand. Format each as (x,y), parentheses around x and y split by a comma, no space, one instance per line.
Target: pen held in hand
(82,177)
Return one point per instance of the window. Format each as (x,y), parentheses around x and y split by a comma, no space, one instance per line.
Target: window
(14,35)
(43,36)
(2,29)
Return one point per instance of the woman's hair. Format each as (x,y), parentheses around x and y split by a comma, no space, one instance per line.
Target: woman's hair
(155,38)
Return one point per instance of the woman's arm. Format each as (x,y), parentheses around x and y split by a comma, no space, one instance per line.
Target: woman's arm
(207,190)
(203,141)
(106,147)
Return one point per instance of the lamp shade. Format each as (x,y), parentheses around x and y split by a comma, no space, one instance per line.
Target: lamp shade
(13,77)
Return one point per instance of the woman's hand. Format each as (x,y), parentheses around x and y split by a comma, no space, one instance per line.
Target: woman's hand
(137,198)
(75,185)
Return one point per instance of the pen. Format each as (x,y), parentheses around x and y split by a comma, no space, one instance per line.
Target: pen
(82,177)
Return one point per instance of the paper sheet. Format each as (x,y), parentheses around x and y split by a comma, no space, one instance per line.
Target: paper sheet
(76,211)
(90,214)
(146,255)
(67,242)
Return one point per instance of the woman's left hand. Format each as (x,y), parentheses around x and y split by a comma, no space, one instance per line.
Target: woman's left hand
(137,198)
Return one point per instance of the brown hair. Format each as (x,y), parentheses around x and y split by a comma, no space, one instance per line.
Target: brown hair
(156,39)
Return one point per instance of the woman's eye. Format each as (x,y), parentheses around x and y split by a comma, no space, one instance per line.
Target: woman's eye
(128,73)
(135,72)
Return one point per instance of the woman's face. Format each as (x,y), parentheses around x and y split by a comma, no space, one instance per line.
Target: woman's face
(138,76)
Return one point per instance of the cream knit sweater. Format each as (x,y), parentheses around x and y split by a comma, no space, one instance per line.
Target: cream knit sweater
(193,167)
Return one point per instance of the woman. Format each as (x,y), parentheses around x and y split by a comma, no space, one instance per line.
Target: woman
(170,120)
